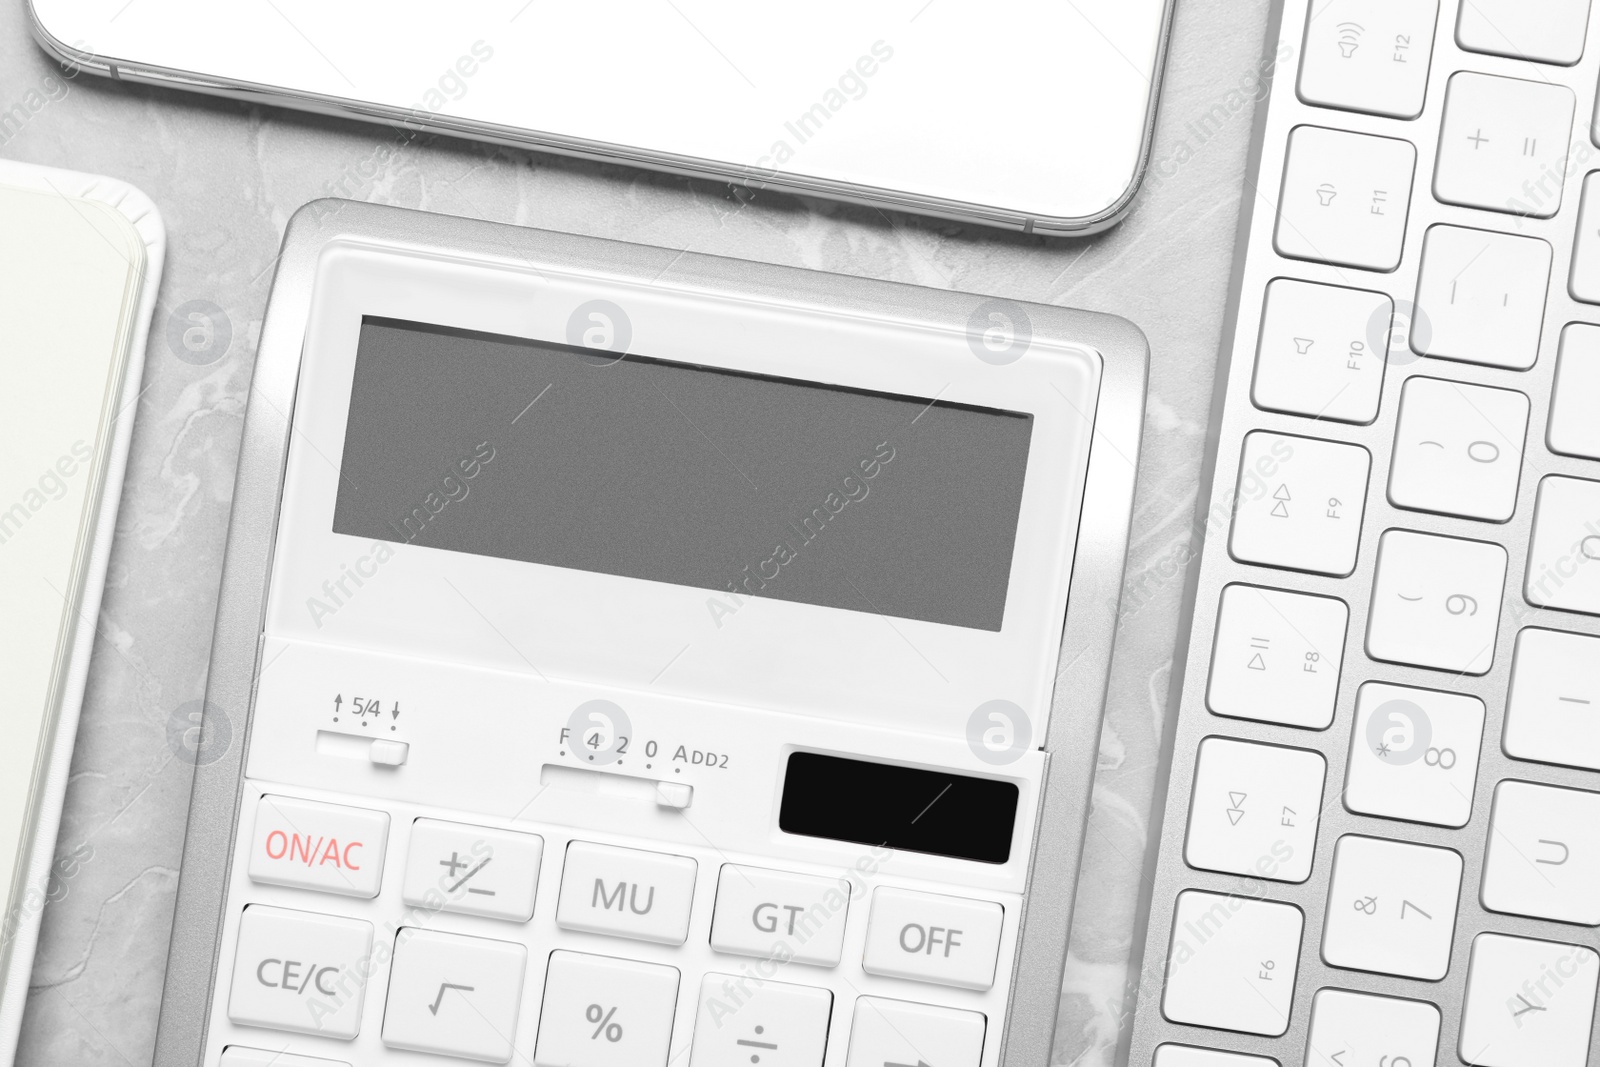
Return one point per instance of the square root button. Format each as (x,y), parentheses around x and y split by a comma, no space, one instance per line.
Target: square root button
(898,1032)
(454,996)
(931,938)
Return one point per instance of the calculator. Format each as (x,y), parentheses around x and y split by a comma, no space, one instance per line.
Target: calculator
(628,656)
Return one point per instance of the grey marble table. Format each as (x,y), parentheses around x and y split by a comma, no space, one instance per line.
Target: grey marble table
(227,176)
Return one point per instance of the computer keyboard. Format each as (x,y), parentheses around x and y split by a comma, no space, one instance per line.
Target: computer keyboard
(1381,835)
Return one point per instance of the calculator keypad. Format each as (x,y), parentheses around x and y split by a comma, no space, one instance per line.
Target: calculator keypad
(465,995)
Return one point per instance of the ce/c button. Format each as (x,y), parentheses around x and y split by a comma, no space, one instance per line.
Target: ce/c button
(931,938)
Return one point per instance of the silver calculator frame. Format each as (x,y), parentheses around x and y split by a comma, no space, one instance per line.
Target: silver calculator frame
(1233,415)
(1083,664)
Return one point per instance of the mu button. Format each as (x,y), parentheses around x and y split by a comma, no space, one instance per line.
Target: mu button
(626,892)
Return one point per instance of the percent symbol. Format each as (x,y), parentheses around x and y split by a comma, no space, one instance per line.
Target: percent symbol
(602,1017)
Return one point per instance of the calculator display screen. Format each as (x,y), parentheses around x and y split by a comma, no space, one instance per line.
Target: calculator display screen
(735,483)
(896,807)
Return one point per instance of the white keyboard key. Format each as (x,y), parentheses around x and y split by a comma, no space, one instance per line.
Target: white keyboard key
(299,971)
(896,1031)
(1550,31)
(1458,449)
(1504,144)
(1544,853)
(776,914)
(1345,197)
(1254,809)
(239,1056)
(1277,655)
(1529,1003)
(604,1012)
(454,996)
(1189,1056)
(1480,297)
(1315,357)
(1369,55)
(1362,1030)
(1553,708)
(1392,907)
(1414,754)
(741,1022)
(1299,503)
(1573,428)
(1564,560)
(327,847)
(1584,279)
(472,869)
(1436,602)
(626,892)
(1231,963)
(928,937)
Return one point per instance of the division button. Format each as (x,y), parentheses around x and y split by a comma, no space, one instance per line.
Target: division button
(328,847)
(626,892)
(299,971)
(743,1022)
(779,915)
(898,1032)
(604,1012)
(927,937)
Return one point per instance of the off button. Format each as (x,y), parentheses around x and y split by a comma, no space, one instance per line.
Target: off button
(930,938)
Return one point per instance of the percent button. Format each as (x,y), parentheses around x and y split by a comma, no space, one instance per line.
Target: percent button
(605,1012)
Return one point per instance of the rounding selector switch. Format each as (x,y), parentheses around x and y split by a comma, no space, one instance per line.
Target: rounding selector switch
(386,753)
(674,794)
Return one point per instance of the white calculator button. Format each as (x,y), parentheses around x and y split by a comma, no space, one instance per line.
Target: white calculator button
(898,1032)
(1584,278)
(1189,1056)
(1436,602)
(742,1022)
(239,1056)
(1299,503)
(1277,655)
(1369,55)
(1392,907)
(1550,31)
(1503,144)
(1564,560)
(775,914)
(308,845)
(1573,428)
(1232,963)
(1480,297)
(604,1012)
(299,971)
(454,996)
(1458,449)
(472,869)
(928,937)
(1315,357)
(1254,809)
(1414,754)
(1553,708)
(626,893)
(1544,853)
(1362,1030)
(1529,1003)
(1345,198)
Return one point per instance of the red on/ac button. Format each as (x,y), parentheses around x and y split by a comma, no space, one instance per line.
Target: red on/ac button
(327,847)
